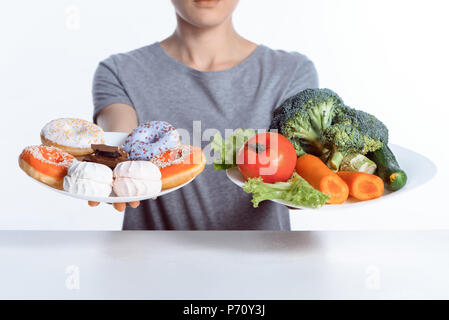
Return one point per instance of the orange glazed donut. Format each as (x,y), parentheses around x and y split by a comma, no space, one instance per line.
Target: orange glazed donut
(46,164)
(179,165)
(74,136)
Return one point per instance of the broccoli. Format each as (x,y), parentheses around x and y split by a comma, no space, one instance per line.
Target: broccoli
(353,131)
(318,122)
(304,117)
(358,163)
(342,139)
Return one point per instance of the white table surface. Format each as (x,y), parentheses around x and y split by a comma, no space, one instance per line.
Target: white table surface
(225,265)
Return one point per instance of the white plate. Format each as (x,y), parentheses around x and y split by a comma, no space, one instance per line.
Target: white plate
(419,171)
(114,139)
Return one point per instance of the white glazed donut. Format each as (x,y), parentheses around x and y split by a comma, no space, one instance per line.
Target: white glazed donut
(72,135)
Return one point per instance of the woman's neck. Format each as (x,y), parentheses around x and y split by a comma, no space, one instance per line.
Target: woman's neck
(212,49)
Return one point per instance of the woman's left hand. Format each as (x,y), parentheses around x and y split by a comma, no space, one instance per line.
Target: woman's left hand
(119,206)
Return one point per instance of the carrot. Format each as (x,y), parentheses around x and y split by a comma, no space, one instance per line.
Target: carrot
(363,186)
(322,178)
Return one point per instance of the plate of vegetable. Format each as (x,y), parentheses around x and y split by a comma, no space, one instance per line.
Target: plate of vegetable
(317,152)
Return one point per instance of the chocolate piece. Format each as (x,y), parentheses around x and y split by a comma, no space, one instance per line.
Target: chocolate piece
(107,155)
(107,151)
(110,162)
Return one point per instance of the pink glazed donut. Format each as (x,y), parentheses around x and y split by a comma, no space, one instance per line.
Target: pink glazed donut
(150,139)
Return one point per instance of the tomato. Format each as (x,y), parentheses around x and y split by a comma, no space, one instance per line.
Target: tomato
(268,155)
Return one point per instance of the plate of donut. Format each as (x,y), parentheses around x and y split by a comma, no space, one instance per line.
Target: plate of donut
(78,159)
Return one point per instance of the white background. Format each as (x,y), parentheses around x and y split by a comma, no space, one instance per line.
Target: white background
(387,57)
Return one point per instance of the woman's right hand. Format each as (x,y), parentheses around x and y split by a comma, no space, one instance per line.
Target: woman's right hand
(119,206)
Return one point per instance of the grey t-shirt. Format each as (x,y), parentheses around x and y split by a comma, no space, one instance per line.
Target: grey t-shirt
(161,88)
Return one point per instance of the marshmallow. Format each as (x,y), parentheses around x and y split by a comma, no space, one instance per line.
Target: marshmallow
(137,178)
(87,187)
(88,179)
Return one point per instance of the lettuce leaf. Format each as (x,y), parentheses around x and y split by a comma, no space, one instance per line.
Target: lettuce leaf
(228,148)
(296,191)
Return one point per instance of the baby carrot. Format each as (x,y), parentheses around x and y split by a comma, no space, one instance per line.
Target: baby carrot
(322,178)
(363,186)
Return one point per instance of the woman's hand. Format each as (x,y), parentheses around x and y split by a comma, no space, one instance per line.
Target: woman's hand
(118,117)
(119,206)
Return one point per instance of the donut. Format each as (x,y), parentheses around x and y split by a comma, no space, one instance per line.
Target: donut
(74,136)
(46,164)
(150,139)
(179,165)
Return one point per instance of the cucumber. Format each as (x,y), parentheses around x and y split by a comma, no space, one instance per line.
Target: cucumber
(388,169)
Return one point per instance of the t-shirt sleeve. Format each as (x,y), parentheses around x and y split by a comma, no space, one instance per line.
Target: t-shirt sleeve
(107,87)
(304,77)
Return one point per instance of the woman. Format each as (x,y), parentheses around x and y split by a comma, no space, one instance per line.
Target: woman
(205,71)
